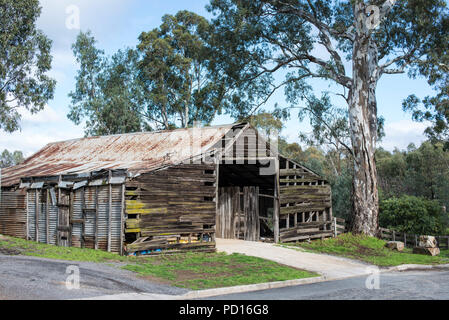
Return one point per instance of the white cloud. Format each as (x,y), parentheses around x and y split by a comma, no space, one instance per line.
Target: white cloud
(38,130)
(48,115)
(401,133)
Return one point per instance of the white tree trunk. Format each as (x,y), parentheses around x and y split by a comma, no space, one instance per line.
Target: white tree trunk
(363,125)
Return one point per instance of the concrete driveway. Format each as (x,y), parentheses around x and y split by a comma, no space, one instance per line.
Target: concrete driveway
(330,267)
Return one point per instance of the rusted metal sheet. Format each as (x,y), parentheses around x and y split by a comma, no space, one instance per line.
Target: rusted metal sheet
(83,221)
(13,213)
(137,152)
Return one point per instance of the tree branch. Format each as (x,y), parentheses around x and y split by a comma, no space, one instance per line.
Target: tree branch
(289,8)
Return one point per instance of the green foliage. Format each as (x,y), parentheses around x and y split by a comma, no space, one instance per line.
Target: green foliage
(179,89)
(24,61)
(370,250)
(108,94)
(421,172)
(341,185)
(8,159)
(266,123)
(263,46)
(413,215)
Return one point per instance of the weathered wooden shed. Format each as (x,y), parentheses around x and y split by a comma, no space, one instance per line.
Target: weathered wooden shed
(163,191)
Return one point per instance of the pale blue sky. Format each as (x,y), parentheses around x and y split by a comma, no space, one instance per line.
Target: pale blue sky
(117,24)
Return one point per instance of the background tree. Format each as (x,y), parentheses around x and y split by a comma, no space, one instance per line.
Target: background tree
(8,159)
(177,83)
(108,94)
(415,215)
(421,172)
(24,61)
(256,41)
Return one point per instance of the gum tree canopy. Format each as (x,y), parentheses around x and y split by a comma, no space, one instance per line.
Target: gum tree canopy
(257,41)
(24,61)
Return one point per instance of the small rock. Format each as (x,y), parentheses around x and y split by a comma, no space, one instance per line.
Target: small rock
(395,245)
(427,251)
(427,242)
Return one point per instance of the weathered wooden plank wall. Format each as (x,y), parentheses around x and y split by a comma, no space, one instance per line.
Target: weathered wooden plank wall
(13,213)
(228,213)
(305,203)
(172,208)
(235,221)
(251,212)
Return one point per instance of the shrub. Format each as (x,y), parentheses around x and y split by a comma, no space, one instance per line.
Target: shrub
(413,215)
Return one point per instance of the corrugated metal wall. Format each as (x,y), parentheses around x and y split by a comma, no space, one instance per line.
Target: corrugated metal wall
(46,234)
(13,213)
(84,217)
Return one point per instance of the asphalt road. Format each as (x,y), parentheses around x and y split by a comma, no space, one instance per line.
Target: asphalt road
(407,285)
(36,278)
(33,278)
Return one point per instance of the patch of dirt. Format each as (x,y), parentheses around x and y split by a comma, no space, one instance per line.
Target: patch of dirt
(212,264)
(9,251)
(183,275)
(364,251)
(361,250)
(155,279)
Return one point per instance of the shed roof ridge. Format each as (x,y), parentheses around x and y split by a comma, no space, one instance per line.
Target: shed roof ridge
(139,133)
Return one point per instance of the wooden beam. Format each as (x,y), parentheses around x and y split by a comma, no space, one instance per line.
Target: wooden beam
(58,212)
(276,203)
(96,216)
(71,200)
(109,211)
(83,225)
(27,235)
(36,209)
(122,220)
(47,217)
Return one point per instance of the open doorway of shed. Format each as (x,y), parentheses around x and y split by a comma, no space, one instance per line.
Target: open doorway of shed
(245,203)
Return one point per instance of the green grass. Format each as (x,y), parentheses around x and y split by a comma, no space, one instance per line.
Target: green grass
(31,248)
(189,270)
(371,250)
(212,270)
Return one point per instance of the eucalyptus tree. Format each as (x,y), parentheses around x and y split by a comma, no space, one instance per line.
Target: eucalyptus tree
(174,71)
(25,60)
(262,46)
(107,95)
(8,159)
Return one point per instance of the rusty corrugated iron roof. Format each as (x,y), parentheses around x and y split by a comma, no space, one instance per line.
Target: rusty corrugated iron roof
(136,152)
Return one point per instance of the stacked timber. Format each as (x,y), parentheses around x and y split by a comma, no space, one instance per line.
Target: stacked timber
(305,204)
(305,231)
(173,209)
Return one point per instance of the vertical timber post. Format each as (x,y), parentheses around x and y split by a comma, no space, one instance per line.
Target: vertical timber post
(276,202)
(218,156)
(96,216)
(109,210)
(122,220)
(36,222)
(27,236)
(83,217)
(335,227)
(71,211)
(47,217)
